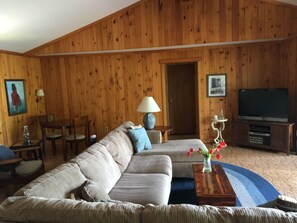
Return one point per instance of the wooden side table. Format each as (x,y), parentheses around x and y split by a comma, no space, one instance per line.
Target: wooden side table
(213,188)
(34,147)
(164,130)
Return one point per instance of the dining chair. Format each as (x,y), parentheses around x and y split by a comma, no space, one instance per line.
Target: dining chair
(48,135)
(15,170)
(80,132)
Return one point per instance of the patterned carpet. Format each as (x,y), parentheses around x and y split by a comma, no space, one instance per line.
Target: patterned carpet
(277,168)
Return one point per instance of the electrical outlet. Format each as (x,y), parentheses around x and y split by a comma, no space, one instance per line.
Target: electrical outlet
(106,129)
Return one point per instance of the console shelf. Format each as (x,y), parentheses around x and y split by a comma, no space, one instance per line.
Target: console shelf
(267,135)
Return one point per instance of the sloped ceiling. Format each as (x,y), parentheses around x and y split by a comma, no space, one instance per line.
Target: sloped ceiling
(27,24)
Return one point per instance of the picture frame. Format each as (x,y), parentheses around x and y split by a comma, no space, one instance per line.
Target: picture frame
(216,85)
(16,97)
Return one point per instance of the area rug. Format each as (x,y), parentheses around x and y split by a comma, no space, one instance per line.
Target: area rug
(250,188)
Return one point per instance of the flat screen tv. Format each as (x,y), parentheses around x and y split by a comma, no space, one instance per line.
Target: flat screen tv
(263,104)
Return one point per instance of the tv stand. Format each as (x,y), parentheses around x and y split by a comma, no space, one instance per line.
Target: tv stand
(275,136)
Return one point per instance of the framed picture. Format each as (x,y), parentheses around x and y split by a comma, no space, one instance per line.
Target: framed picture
(16,97)
(216,85)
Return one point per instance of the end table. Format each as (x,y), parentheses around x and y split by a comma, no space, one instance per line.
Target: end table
(34,147)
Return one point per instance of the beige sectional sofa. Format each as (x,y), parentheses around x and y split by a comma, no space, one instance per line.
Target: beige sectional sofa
(128,188)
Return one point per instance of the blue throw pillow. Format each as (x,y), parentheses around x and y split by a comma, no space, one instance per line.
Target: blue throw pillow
(139,139)
(6,154)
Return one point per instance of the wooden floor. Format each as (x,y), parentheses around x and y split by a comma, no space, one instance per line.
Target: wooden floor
(278,168)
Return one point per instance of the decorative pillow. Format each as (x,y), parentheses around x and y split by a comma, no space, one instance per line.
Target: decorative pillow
(286,203)
(6,154)
(139,139)
(92,192)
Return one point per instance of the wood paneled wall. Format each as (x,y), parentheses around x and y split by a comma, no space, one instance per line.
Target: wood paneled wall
(29,69)
(109,88)
(288,59)
(156,23)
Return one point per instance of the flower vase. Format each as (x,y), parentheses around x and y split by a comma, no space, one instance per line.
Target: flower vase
(207,164)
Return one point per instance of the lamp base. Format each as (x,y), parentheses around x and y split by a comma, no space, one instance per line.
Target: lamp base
(149,121)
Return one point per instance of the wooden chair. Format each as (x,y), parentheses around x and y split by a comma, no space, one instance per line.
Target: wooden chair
(16,170)
(48,135)
(80,132)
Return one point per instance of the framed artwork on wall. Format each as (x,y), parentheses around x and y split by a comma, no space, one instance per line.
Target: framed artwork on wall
(16,97)
(216,85)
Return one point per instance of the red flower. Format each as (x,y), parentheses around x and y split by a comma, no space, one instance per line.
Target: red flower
(214,151)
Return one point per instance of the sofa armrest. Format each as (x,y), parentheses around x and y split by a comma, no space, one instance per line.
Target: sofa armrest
(155,136)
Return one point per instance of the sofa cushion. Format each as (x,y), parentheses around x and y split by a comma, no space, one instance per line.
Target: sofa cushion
(117,146)
(125,126)
(142,188)
(192,214)
(150,164)
(177,150)
(57,183)
(36,209)
(93,192)
(97,165)
(155,136)
(139,139)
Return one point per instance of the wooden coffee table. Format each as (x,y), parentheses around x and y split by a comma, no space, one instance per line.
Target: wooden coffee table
(213,188)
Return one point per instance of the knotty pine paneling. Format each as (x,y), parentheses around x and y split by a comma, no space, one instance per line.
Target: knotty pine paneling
(156,23)
(288,60)
(109,88)
(29,69)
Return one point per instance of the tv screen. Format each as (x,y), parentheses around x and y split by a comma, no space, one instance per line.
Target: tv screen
(263,104)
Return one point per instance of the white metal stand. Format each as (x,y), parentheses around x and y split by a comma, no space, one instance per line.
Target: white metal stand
(219,129)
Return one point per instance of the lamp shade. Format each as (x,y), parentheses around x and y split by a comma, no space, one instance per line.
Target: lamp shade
(148,104)
(40,93)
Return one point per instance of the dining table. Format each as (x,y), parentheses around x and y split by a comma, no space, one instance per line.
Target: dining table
(57,124)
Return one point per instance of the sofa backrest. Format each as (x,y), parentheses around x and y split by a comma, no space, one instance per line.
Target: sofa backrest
(192,214)
(97,165)
(36,209)
(57,183)
(119,147)
(124,126)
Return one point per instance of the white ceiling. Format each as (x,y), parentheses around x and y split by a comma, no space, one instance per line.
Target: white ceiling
(27,24)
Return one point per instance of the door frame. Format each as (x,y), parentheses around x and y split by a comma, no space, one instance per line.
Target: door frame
(163,62)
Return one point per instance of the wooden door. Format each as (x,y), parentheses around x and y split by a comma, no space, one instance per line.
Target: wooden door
(181,91)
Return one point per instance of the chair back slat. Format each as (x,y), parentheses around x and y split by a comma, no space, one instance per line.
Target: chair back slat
(80,126)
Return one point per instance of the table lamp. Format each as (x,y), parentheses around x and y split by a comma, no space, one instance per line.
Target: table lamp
(148,105)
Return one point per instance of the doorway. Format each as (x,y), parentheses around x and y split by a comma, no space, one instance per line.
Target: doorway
(182,105)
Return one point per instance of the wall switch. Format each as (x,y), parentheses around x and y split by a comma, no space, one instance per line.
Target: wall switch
(106,129)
